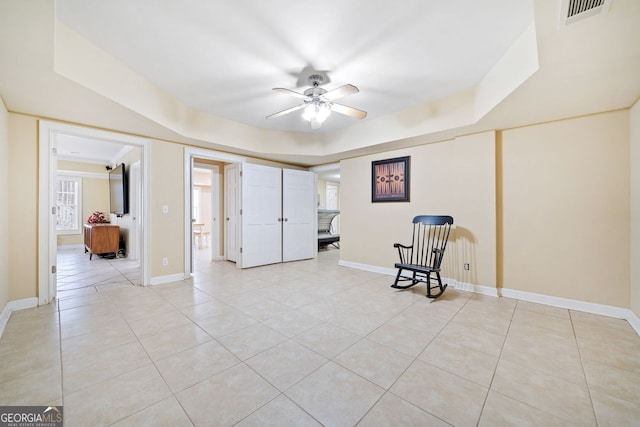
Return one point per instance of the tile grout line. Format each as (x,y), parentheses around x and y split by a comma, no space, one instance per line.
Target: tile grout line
(489,389)
(388,390)
(510,332)
(153,362)
(584,373)
(62,397)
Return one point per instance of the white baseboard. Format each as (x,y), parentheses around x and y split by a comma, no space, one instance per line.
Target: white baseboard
(21,304)
(4,318)
(571,304)
(470,287)
(159,280)
(367,267)
(12,306)
(634,321)
(479,289)
(70,247)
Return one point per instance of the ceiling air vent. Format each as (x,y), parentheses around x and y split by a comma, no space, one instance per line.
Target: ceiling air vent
(576,10)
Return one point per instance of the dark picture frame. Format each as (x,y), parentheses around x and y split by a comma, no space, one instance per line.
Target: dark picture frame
(390,180)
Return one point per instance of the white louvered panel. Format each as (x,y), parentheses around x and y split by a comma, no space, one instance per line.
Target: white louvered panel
(577,7)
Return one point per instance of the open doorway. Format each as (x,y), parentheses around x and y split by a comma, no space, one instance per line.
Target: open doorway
(74,184)
(86,171)
(205,212)
(329,197)
(205,207)
(333,203)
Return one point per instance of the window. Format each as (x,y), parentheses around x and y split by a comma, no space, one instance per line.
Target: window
(68,205)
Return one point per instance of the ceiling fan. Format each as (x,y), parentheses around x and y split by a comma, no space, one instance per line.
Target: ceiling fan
(318,103)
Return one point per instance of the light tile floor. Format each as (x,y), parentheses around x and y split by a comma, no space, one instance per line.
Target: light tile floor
(310,343)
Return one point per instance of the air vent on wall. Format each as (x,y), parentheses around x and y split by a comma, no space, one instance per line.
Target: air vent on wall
(572,11)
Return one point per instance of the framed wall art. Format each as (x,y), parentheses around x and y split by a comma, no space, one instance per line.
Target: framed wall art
(390,180)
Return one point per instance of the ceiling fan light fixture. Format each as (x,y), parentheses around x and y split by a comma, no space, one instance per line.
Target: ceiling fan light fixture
(316,111)
(318,103)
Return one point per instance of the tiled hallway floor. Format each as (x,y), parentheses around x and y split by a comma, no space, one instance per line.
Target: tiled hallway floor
(311,343)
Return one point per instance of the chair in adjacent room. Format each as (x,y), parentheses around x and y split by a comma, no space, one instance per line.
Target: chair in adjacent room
(326,235)
(420,262)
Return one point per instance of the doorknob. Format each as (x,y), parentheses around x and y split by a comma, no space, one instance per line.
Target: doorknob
(286,219)
(227,218)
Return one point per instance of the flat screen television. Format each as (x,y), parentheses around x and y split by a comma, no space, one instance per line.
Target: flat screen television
(118,190)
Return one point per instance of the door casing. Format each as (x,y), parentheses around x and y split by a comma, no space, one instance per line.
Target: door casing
(191,153)
(47,244)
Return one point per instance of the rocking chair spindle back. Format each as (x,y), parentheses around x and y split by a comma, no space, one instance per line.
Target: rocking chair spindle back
(424,256)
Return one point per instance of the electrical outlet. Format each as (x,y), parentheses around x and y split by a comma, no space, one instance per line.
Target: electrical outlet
(466,266)
(165,261)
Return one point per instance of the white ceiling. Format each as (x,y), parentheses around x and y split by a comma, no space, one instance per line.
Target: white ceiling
(81,149)
(201,72)
(224,57)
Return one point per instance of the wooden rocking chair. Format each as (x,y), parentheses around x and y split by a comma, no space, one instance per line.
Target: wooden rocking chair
(424,257)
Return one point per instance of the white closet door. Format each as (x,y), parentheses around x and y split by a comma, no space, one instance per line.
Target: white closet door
(261,215)
(231,210)
(299,229)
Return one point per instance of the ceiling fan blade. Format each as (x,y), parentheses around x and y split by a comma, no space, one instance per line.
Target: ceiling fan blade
(290,92)
(340,92)
(348,111)
(287,111)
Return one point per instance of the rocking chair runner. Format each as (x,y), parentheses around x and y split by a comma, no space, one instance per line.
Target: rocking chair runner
(424,257)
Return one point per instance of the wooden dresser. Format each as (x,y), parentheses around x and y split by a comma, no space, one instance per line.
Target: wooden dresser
(101,239)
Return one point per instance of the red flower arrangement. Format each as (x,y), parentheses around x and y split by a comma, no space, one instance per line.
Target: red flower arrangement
(97,218)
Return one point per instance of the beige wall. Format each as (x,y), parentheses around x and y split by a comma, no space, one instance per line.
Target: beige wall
(166,230)
(95,195)
(566,207)
(554,195)
(543,209)
(167,188)
(455,177)
(4,206)
(23,199)
(470,180)
(635,207)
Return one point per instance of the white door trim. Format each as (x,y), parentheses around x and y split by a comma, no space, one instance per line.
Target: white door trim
(232,169)
(48,132)
(216,216)
(189,154)
(135,207)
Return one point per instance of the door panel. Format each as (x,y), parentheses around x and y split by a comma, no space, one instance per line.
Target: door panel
(261,215)
(231,209)
(299,229)
(134,230)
